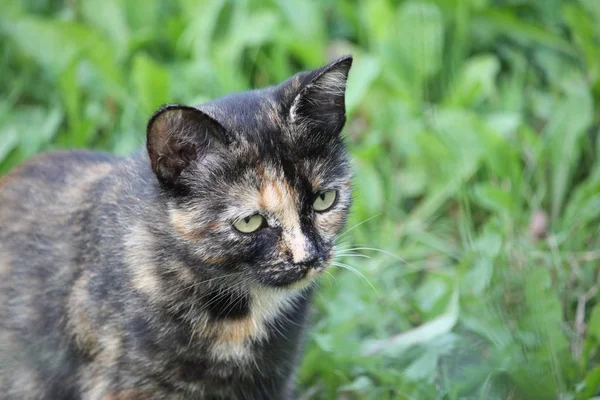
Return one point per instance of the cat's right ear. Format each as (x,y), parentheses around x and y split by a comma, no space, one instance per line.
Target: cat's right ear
(177,135)
(320,104)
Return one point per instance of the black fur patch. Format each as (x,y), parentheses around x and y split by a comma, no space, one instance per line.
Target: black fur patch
(224,303)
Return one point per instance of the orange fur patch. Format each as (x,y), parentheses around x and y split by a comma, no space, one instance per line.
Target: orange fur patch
(278,198)
(129,394)
(88,177)
(143,269)
(236,331)
(331,220)
(316,183)
(272,195)
(214,260)
(78,323)
(183,223)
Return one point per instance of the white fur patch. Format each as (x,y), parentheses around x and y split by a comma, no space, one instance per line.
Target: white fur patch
(267,304)
(296,242)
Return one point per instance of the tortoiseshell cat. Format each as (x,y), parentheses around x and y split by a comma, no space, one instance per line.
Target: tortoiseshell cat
(181,271)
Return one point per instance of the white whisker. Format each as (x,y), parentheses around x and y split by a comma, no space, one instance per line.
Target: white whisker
(357,272)
(331,277)
(379,251)
(352,255)
(357,225)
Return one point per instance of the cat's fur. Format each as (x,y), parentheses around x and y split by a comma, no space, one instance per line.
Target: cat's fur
(123,278)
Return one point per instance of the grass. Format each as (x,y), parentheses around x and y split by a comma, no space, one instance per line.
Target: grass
(474,132)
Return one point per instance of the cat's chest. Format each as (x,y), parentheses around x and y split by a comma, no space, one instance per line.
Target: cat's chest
(234,355)
(239,340)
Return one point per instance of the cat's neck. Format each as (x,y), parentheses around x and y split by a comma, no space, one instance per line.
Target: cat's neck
(219,309)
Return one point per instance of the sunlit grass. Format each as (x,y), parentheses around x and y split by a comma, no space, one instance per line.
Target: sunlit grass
(473,129)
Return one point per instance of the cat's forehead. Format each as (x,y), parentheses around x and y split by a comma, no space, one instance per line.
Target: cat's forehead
(250,113)
(269,147)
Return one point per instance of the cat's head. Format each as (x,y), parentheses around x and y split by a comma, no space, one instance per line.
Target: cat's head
(257,184)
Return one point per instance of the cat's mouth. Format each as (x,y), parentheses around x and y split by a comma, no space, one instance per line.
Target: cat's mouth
(293,276)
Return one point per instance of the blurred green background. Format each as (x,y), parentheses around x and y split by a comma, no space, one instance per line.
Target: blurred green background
(475,141)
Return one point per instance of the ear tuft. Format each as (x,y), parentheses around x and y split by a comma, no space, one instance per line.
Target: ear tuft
(176,136)
(320,103)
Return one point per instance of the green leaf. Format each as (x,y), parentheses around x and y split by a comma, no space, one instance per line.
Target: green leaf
(370,193)
(476,82)
(304,19)
(590,385)
(108,16)
(151,83)
(200,28)
(544,318)
(594,323)
(493,198)
(71,96)
(420,37)
(361,384)
(425,367)
(584,203)
(56,45)
(509,24)
(421,334)
(9,138)
(586,33)
(504,123)
(45,124)
(478,277)
(365,70)
(567,126)
(379,20)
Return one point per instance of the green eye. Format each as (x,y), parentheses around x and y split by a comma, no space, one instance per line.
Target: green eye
(325,200)
(249,224)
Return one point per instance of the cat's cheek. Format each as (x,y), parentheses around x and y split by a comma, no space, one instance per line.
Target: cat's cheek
(255,248)
(329,224)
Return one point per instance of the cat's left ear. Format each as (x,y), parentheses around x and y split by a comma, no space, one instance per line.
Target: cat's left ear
(176,136)
(320,105)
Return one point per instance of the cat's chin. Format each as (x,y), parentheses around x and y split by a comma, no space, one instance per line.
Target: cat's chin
(311,275)
(292,282)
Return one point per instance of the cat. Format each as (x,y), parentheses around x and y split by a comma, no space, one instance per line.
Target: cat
(184,270)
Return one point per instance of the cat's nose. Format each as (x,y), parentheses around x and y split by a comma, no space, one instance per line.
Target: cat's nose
(308,261)
(308,256)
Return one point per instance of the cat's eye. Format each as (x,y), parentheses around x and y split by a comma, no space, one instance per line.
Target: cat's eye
(324,200)
(250,224)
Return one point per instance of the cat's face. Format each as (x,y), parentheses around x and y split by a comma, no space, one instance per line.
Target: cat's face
(257,184)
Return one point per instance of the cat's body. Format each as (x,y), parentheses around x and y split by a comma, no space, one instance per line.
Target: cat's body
(139,278)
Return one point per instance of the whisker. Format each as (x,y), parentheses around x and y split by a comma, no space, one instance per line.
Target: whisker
(220,295)
(347,243)
(352,255)
(379,251)
(314,286)
(194,285)
(414,267)
(234,304)
(357,225)
(331,277)
(357,272)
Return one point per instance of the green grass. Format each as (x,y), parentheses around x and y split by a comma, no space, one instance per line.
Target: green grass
(474,132)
